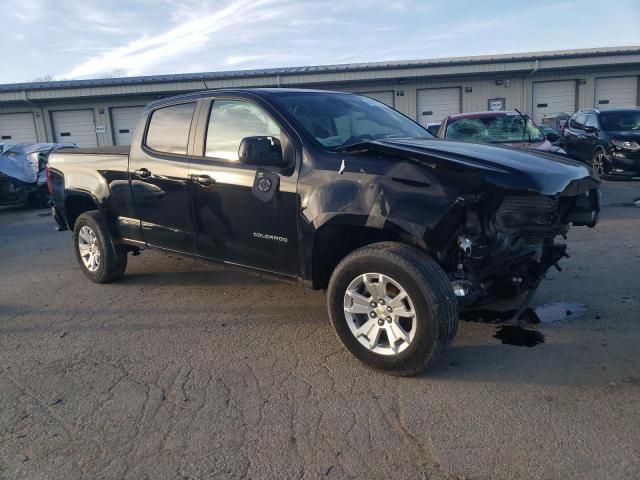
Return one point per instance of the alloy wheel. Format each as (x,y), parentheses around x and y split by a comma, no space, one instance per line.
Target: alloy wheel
(89,248)
(380,313)
(598,162)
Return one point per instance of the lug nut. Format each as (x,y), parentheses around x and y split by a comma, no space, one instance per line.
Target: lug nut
(372,314)
(381,302)
(389,309)
(380,322)
(389,319)
(374,304)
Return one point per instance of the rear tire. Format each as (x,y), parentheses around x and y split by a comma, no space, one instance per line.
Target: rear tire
(100,259)
(394,271)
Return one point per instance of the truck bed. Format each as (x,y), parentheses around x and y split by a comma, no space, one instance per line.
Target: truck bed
(114,150)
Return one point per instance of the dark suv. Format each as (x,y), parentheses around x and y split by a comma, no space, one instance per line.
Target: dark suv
(608,140)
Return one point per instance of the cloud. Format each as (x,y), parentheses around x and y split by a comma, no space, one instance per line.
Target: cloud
(258,61)
(93,38)
(138,55)
(26,11)
(240,59)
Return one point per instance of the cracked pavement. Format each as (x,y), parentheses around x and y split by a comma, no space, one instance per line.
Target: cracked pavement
(184,370)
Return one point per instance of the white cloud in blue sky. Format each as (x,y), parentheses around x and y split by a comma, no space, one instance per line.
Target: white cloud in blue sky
(91,39)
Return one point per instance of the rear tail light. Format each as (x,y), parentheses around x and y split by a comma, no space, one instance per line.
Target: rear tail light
(49,186)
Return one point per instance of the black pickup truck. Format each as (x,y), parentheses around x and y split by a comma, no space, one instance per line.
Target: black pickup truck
(334,190)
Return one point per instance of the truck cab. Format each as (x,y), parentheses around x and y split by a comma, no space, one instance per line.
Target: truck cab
(183,188)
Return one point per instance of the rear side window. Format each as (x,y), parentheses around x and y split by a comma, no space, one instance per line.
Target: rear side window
(169,128)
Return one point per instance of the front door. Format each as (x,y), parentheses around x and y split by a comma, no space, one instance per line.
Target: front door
(159,179)
(574,135)
(236,220)
(590,137)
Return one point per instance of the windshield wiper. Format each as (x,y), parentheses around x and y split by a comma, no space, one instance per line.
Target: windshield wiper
(525,120)
(354,147)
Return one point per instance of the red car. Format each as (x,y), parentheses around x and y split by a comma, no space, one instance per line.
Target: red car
(510,129)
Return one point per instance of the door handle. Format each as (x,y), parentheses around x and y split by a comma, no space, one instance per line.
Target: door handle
(143,173)
(204,180)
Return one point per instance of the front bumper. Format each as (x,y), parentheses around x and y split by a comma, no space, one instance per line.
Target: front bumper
(623,164)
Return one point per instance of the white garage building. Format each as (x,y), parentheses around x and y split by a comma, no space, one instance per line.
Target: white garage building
(543,84)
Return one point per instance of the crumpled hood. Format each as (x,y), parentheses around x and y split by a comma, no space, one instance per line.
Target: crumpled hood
(508,168)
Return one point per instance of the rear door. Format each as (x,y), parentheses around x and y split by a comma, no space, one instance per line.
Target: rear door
(235,222)
(158,171)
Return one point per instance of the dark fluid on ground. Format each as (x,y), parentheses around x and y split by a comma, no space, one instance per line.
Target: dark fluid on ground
(518,336)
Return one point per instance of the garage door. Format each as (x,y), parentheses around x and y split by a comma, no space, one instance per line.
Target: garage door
(384,97)
(76,126)
(616,92)
(552,98)
(123,122)
(17,128)
(434,104)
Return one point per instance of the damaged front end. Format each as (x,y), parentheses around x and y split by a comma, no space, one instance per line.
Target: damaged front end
(15,192)
(498,237)
(505,242)
(23,174)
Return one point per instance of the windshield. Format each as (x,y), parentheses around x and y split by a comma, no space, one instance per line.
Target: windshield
(500,129)
(620,121)
(336,120)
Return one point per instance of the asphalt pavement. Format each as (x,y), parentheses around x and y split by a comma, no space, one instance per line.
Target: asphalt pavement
(184,370)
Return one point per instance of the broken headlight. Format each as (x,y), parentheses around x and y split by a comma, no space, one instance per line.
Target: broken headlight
(625,144)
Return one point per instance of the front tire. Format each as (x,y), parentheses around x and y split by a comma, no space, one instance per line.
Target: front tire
(392,307)
(100,259)
(598,162)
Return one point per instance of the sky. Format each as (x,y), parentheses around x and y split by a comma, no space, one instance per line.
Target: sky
(79,39)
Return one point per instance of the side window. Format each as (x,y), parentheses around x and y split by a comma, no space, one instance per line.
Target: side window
(579,120)
(232,120)
(591,121)
(169,128)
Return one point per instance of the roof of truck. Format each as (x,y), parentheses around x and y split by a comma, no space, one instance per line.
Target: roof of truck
(259,92)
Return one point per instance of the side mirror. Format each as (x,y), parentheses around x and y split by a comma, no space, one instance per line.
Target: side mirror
(261,151)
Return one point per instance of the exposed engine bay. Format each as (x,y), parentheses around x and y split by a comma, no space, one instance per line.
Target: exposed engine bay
(505,245)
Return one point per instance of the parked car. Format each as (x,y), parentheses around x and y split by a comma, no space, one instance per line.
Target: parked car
(608,140)
(550,134)
(510,129)
(22,173)
(433,128)
(338,192)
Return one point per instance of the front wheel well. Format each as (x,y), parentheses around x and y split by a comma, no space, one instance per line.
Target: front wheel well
(334,242)
(76,205)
